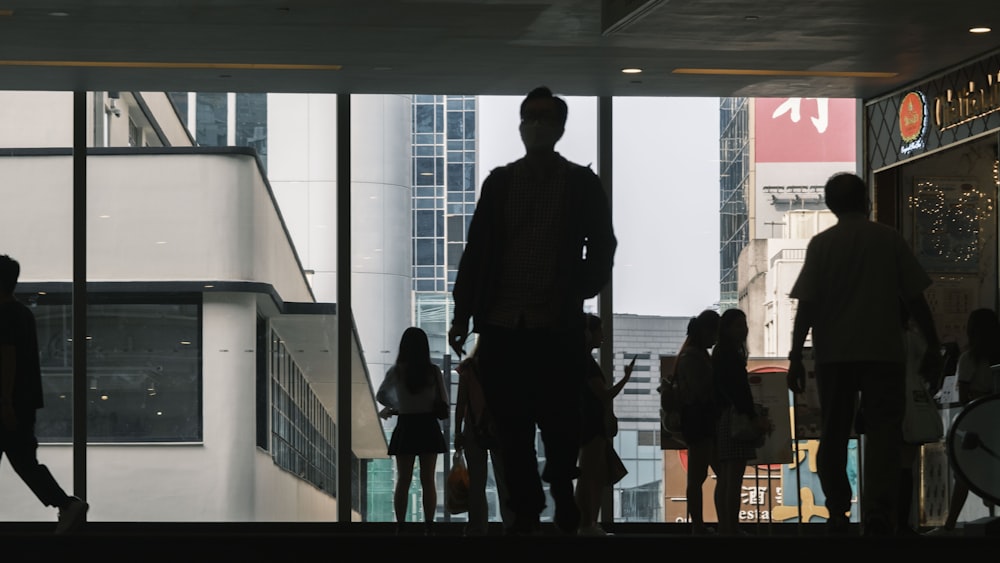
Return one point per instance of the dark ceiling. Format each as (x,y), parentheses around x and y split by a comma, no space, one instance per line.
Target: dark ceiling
(488,46)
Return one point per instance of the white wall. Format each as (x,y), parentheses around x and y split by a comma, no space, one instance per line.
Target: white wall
(151,218)
(36,119)
(302,145)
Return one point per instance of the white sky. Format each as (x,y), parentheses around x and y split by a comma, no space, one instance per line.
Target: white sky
(666,192)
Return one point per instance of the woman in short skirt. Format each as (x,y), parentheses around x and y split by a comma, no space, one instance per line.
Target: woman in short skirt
(732,388)
(409,391)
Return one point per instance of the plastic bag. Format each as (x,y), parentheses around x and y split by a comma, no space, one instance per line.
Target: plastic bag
(456,487)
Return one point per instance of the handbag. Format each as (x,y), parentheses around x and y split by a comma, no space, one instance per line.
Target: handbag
(922,422)
(456,492)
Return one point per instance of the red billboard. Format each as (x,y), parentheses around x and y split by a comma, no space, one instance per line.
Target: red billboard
(805,129)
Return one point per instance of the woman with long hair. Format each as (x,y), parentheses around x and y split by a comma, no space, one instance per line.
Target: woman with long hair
(975,380)
(732,389)
(597,433)
(699,412)
(410,389)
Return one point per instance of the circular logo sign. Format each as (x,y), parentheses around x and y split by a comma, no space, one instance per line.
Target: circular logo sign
(912,117)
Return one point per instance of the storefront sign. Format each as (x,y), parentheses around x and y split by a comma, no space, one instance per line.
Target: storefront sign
(912,121)
(954,108)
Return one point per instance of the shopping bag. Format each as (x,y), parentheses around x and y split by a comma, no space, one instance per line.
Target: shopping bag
(922,422)
(456,491)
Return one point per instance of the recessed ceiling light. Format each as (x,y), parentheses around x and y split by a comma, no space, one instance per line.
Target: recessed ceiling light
(59,14)
(631,70)
(982,29)
(751,18)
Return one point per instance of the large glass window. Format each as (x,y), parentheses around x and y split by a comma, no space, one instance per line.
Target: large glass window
(143,373)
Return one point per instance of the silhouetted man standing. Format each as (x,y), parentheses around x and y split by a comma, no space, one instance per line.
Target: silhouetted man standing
(540,243)
(21,396)
(856,276)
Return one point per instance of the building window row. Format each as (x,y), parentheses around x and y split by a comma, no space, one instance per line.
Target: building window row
(303,433)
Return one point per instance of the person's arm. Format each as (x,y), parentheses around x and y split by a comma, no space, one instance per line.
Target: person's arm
(601,242)
(461,404)
(387,394)
(8,369)
(931,365)
(442,386)
(805,316)
(470,265)
(617,387)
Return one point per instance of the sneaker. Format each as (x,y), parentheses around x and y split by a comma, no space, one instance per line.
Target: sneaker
(593,530)
(71,515)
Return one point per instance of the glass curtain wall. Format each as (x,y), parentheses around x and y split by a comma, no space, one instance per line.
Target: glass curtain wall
(166,215)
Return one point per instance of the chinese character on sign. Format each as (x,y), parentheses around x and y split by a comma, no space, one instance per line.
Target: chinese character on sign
(754,495)
(793,106)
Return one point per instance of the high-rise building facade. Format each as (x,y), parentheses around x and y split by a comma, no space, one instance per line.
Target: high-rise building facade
(734,181)
(444,172)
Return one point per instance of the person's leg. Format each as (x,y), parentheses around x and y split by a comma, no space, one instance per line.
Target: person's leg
(883,400)
(699,456)
(475,461)
(503,496)
(727,485)
(428,487)
(559,378)
(404,474)
(590,484)
(838,392)
(510,394)
(22,448)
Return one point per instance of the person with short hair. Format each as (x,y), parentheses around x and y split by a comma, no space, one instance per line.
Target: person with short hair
(21,397)
(854,279)
(539,244)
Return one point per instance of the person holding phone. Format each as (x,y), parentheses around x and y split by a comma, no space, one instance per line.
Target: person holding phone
(598,459)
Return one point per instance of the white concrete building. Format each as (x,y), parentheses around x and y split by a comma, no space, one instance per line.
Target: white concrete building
(211,362)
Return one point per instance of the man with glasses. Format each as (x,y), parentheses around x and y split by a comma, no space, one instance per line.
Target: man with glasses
(540,243)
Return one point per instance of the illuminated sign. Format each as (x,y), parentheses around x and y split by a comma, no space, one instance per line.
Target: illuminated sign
(912,121)
(954,108)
